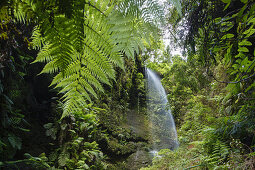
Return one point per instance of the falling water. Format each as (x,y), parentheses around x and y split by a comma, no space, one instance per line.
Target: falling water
(163,132)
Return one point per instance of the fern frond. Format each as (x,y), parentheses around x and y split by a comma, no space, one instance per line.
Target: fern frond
(44,54)
(51,67)
(37,38)
(81,51)
(134,23)
(70,85)
(91,79)
(219,154)
(85,44)
(74,100)
(57,79)
(95,70)
(23,10)
(73,68)
(87,86)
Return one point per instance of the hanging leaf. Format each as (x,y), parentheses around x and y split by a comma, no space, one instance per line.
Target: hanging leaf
(245,42)
(244,1)
(8,100)
(15,141)
(63,157)
(227,36)
(250,87)
(226,1)
(252,21)
(249,32)
(48,125)
(243,49)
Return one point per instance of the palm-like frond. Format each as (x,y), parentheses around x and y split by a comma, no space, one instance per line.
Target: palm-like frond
(133,24)
(79,49)
(83,44)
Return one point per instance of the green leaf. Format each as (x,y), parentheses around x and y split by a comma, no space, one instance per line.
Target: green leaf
(21,74)
(235,66)
(23,129)
(48,125)
(250,87)
(249,32)
(245,42)
(226,7)
(2,144)
(8,99)
(15,141)
(252,21)
(239,55)
(226,26)
(244,1)
(53,156)
(240,13)
(243,49)
(52,133)
(226,1)
(227,36)
(85,166)
(62,159)
(27,155)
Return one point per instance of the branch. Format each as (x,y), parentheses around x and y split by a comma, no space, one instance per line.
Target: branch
(234,82)
(248,98)
(247,69)
(96,8)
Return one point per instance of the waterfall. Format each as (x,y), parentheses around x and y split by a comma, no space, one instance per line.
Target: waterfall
(163,131)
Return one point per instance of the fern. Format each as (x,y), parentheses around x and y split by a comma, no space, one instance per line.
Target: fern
(80,51)
(83,45)
(133,24)
(177,4)
(219,155)
(63,158)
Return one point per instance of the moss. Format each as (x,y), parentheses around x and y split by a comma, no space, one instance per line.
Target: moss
(123,148)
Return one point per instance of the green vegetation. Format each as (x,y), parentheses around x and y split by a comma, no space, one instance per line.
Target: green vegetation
(211,91)
(73,88)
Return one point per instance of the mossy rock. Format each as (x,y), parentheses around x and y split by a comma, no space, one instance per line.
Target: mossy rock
(138,124)
(139,159)
(124,148)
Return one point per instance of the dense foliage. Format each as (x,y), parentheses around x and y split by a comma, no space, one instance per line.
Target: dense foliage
(211,92)
(73,88)
(82,44)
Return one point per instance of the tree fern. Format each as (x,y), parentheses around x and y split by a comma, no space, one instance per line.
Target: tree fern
(83,44)
(133,23)
(80,51)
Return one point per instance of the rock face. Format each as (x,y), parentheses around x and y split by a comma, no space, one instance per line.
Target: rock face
(128,141)
(129,146)
(139,159)
(138,124)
